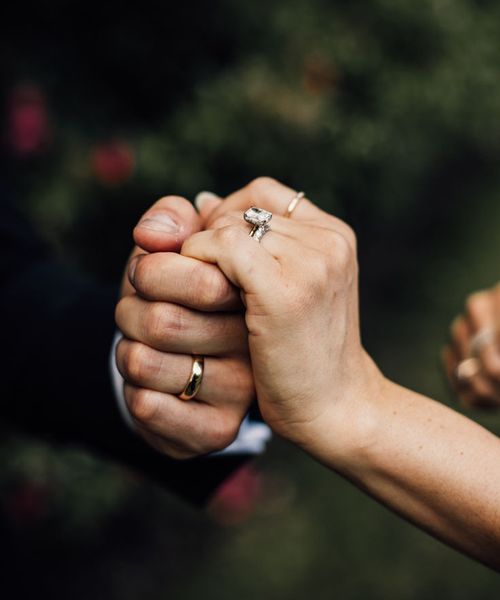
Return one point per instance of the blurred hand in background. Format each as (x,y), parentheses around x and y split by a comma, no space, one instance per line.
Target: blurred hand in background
(472,358)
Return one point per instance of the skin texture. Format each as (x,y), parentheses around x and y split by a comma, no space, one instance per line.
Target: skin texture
(482,312)
(316,386)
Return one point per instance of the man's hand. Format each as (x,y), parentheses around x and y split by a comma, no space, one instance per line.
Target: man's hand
(171,308)
(472,359)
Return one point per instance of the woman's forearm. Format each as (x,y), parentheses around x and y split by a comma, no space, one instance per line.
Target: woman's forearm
(425,461)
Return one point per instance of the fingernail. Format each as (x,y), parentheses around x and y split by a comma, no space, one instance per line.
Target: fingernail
(159,221)
(132,267)
(203,197)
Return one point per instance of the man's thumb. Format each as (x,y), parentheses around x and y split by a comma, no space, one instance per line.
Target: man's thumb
(206,203)
(165,226)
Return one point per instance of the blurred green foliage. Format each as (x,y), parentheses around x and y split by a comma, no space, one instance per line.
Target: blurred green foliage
(388,114)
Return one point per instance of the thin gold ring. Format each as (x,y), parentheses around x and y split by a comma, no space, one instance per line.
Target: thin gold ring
(194,382)
(294,202)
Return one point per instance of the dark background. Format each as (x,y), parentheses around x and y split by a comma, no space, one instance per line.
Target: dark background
(387,114)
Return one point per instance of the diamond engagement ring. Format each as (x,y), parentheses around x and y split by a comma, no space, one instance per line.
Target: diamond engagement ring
(259,218)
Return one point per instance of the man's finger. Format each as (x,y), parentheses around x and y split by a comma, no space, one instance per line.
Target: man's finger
(170,277)
(173,328)
(225,382)
(193,427)
(165,226)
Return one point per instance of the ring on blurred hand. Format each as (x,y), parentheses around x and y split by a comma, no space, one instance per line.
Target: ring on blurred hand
(467,369)
(486,336)
(259,218)
(194,382)
(294,202)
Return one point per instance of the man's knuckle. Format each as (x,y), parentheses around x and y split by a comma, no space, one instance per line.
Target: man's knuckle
(142,275)
(139,365)
(143,404)
(224,431)
(163,320)
(119,313)
(214,288)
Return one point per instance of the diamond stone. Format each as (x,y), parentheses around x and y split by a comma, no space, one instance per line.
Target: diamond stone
(258,216)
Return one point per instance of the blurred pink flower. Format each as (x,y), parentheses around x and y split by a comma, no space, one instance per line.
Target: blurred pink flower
(28,127)
(113,162)
(27,504)
(238,496)
(319,75)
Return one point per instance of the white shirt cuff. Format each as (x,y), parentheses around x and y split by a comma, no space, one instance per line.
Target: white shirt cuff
(253,436)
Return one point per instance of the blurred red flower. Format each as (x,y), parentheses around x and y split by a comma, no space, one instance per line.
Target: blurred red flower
(237,497)
(319,75)
(113,162)
(28,504)
(28,126)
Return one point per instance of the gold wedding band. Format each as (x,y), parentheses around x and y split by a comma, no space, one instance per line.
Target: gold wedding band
(194,382)
(294,202)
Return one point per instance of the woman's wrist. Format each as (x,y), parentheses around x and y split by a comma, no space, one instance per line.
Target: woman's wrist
(349,424)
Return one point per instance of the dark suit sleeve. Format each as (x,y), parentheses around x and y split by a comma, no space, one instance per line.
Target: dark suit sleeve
(57,332)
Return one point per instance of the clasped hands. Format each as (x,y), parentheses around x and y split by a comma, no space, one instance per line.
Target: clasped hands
(276,320)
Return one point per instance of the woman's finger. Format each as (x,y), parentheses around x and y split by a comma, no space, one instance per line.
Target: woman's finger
(244,261)
(225,381)
(170,277)
(271,195)
(173,328)
(316,236)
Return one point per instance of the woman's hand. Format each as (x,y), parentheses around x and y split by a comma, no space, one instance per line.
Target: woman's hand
(317,387)
(300,289)
(472,359)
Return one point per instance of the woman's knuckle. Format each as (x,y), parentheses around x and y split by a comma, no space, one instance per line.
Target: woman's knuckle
(223,221)
(228,235)
(261,185)
(341,251)
(350,236)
